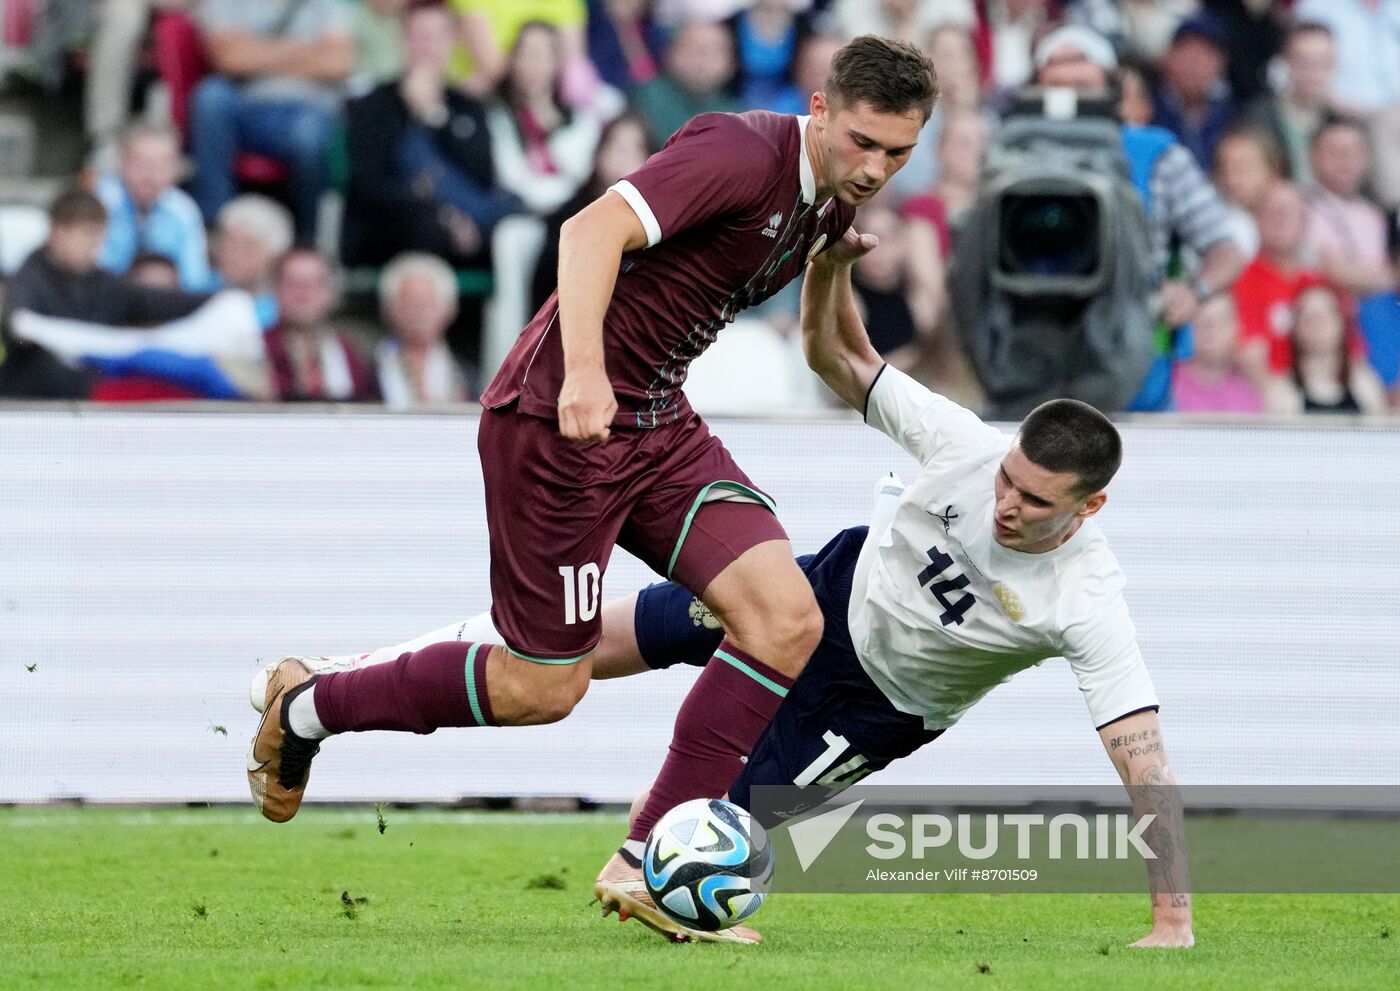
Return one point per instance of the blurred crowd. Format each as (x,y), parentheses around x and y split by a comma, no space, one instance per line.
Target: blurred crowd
(424,155)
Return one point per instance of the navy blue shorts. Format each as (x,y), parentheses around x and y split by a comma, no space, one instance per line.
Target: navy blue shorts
(835,727)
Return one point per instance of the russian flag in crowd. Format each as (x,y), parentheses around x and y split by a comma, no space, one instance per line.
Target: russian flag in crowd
(214,353)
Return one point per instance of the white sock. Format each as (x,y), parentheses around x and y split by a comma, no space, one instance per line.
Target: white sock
(478,629)
(635,847)
(302,718)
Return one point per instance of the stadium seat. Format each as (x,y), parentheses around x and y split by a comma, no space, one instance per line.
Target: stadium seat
(23,228)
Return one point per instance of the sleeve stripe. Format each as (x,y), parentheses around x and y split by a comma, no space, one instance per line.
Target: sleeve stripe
(865,413)
(1116,719)
(640,207)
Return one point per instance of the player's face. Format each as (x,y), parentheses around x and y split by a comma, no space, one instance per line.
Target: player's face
(862,147)
(1037,509)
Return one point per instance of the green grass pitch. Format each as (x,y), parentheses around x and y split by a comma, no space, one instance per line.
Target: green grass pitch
(216,898)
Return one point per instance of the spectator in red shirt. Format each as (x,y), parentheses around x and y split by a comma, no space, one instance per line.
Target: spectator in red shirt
(1265,290)
(310,359)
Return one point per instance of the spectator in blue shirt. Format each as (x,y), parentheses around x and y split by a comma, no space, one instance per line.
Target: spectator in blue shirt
(625,43)
(767,37)
(148,213)
(1380,325)
(1182,206)
(1193,100)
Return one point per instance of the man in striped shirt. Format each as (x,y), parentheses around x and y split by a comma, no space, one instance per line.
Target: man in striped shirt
(1183,208)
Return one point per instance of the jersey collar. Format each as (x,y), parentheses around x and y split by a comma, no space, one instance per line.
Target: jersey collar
(804,164)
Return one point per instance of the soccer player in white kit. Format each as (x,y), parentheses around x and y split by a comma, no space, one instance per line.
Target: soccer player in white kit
(990,562)
(987,564)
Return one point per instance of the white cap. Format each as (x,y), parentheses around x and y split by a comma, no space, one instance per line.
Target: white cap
(1096,47)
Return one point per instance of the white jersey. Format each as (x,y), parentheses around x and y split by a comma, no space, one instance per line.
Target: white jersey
(940,613)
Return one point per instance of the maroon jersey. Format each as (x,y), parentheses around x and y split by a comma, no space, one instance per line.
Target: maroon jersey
(730,211)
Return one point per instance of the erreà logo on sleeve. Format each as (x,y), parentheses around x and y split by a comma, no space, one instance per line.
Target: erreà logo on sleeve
(773,222)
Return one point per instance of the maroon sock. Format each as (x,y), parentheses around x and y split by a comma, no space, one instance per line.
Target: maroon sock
(721,719)
(441,685)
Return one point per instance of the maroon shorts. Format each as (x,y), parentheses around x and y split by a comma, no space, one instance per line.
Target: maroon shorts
(555,509)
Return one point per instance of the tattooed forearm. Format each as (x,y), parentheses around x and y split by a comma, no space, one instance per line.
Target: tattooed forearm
(1138,744)
(1154,792)
(1128,738)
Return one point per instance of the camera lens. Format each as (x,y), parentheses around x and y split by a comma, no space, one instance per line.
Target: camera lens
(1050,235)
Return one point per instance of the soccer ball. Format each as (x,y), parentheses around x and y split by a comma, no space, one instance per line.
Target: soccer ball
(708,864)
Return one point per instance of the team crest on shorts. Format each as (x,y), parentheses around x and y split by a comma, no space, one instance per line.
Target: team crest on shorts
(817,247)
(700,615)
(1010,602)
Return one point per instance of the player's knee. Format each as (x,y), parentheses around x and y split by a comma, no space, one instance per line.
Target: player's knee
(787,635)
(554,703)
(802,630)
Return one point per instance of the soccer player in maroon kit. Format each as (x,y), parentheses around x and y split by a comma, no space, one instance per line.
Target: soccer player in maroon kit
(587,441)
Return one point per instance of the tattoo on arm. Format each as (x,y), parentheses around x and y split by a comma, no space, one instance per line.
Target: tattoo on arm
(1154,792)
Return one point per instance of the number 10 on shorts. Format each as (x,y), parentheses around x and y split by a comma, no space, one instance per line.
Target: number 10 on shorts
(583,589)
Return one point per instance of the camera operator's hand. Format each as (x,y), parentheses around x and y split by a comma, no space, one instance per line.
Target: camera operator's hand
(1179,303)
(847,251)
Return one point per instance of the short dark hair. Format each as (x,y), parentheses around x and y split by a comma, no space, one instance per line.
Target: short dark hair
(1067,435)
(414,6)
(297,251)
(892,76)
(145,258)
(76,206)
(1335,121)
(1263,140)
(1303,28)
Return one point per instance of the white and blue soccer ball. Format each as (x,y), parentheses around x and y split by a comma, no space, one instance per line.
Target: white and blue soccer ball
(708,864)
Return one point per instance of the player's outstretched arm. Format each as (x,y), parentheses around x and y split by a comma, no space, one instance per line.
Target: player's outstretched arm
(1135,746)
(833,334)
(591,246)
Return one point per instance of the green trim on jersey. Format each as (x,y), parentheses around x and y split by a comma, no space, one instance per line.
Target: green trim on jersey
(767,683)
(549,660)
(738,487)
(471,686)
